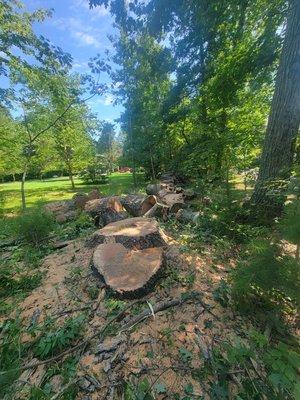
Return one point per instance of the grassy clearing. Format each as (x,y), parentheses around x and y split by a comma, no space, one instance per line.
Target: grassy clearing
(59,189)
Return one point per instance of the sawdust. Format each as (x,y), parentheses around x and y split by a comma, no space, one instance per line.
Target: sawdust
(53,296)
(154,348)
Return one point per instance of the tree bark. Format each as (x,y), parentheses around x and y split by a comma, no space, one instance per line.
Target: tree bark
(23,190)
(279,146)
(71,176)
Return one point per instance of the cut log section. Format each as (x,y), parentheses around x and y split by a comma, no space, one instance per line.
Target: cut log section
(158,210)
(129,273)
(188,216)
(134,233)
(148,203)
(133,204)
(63,211)
(105,210)
(174,201)
(153,188)
(137,205)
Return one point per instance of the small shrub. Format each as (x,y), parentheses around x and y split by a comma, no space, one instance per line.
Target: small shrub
(222,293)
(230,223)
(34,226)
(280,363)
(290,225)
(96,171)
(266,280)
(80,226)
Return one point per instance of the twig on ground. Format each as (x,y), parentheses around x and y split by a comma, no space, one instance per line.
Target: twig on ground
(75,294)
(72,310)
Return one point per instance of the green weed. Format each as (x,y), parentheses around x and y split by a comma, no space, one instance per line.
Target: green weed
(55,339)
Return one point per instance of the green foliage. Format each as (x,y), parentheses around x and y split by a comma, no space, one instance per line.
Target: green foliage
(56,339)
(141,392)
(10,284)
(95,172)
(221,221)
(280,363)
(201,109)
(222,293)
(34,226)
(82,225)
(114,306)
(11,351)
(266,281)
(290,222)
(185,355)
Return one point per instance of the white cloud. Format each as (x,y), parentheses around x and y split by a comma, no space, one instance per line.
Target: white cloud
(85,35)
(86,39)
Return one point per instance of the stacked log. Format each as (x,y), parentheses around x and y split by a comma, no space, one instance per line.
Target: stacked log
(105,210)
(164,198)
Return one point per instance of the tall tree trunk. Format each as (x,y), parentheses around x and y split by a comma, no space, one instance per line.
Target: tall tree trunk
(71,179)
(132,154)
(284,119)
(23,189)
(70,172)
(152,165)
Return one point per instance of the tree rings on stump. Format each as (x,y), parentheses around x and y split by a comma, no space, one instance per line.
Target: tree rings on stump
(128,272)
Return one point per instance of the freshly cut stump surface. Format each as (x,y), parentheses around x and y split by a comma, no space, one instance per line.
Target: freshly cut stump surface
(133,233)
(129,273)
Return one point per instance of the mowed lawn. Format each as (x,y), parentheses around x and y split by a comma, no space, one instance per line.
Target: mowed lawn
(38,191)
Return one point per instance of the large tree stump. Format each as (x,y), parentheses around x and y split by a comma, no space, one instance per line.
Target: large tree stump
(129,273)
(105,210)
(134,233)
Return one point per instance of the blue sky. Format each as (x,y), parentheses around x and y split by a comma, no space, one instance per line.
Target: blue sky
(82,33)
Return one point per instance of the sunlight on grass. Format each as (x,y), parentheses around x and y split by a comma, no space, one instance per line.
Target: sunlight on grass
(60,189)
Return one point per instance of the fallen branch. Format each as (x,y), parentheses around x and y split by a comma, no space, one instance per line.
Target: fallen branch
(148,313)
(71,311)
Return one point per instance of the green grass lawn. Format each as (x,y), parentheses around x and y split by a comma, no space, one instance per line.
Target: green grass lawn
(38,191)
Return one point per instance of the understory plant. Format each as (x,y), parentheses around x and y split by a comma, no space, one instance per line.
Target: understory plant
(54,339)
(267,281)
(34,226)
